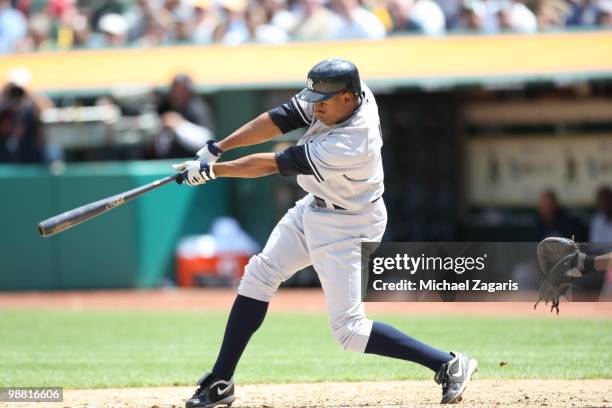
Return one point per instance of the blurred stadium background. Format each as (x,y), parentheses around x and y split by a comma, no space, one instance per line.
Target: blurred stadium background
(496,117)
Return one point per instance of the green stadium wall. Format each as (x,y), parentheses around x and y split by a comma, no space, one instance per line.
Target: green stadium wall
(131,246)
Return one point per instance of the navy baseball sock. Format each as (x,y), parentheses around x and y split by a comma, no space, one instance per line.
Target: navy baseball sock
(385,340)
(245,318)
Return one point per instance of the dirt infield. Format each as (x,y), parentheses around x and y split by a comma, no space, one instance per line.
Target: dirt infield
(416,394)
(306,300)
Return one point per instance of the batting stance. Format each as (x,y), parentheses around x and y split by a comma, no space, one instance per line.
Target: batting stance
(338,162)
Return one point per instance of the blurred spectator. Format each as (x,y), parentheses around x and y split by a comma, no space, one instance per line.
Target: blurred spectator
(139,19)
(583,13)
(233,30)
(604,18)
(246,23)
(472,16)
(553,220)
(357,22)
(186,119)
(422,16)
(601,232)
(516,17)
(63,11)
(114,27)
(252,25)
(59,8)
(206,19)
(399,11)
(261,29)
(380,8)
(13,27)
(21,138)
(64,24)
(452,12)
(478,16)
(426,17)
(180,15)
(552,14)
(183,26)
(600,238)
(279,16)
(316,22)
(601,224)
(158,29)
(99,9)
(81,30)
(29,7)
(39,34)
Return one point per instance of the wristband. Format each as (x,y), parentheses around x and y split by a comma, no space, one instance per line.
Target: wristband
(214,148)
(589,264)
(211,173)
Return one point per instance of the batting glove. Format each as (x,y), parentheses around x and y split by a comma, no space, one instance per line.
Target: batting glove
(209,153)
(195,172)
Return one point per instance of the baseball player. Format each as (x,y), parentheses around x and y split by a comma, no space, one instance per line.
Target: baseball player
(338,163)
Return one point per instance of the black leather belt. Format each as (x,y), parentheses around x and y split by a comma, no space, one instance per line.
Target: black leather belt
(321,203)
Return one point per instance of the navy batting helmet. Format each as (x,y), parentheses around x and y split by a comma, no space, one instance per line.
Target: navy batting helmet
(330,77)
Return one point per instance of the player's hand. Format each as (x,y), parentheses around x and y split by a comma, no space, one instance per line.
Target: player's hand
(195,172)
(209,153)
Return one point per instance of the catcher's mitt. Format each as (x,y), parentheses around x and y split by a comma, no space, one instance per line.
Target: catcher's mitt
(558,259)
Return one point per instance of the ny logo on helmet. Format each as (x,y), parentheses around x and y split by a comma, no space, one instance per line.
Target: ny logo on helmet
(309,84)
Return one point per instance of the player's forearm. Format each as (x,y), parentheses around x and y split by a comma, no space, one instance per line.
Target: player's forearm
(586,263)
(603,262)
(259,130)
(254,165)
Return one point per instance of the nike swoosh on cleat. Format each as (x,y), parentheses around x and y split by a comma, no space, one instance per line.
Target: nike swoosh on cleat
(459,369)
(221,391)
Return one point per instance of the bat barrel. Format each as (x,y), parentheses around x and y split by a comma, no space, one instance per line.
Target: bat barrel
(69,219)
(45,230)
(61,222)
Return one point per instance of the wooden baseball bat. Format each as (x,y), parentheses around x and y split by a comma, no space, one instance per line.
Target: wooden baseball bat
(69,219)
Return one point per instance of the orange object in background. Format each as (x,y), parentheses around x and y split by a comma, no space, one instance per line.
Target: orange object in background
(223,269)
(215,259)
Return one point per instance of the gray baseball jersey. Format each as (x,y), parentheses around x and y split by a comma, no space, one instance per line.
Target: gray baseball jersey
(345,158)
(340,164)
